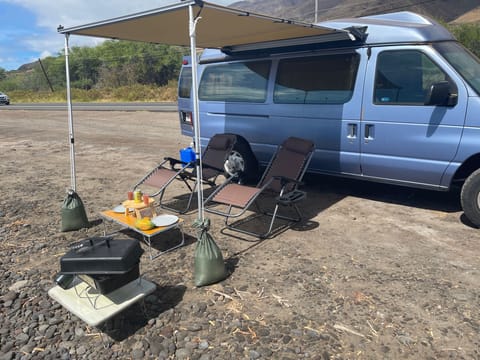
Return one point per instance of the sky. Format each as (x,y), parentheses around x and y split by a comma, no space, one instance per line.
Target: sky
(28,28)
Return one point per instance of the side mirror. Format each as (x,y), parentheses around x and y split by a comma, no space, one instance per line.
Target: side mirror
(441,94)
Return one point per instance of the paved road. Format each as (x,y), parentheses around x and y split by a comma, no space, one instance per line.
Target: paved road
(145,106)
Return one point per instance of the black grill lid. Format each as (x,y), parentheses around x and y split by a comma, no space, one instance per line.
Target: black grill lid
(101,255)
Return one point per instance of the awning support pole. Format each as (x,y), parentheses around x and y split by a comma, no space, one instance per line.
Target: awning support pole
(73,180)
(196,120)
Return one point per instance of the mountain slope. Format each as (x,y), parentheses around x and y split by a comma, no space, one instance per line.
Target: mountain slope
(332,9)
(469,17)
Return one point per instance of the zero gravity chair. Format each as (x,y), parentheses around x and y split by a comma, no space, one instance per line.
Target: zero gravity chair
(280,180)
(171,170)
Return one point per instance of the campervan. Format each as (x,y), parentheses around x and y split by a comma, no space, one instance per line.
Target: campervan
(399,105)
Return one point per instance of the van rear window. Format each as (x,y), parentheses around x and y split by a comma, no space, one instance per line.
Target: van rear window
(316,80)
(185,83)
(240,82)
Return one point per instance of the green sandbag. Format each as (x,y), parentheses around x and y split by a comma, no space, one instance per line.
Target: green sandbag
(209,264)
(73,213)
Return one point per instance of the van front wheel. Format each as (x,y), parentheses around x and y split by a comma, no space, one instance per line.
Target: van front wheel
(470,198)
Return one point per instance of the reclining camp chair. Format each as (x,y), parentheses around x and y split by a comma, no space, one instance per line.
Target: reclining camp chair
(157,181)
(281,178)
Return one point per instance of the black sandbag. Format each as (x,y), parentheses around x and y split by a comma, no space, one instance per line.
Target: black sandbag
(73,213)
(209,264)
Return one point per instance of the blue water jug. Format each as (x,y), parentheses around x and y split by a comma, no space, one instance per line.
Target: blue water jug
(187,155)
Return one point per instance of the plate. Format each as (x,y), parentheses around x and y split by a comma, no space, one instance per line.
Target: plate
(119,209)
(165,220)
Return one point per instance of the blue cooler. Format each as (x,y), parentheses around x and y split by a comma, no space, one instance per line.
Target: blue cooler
(187,155)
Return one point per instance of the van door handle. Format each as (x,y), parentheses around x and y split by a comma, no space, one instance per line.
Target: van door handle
(369,132)
(352,131)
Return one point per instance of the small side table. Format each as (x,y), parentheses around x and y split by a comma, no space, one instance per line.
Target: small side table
(138,207)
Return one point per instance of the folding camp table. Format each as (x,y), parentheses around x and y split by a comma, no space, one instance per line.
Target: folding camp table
(128,222)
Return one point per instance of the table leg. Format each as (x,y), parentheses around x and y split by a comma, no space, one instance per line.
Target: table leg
(148,241)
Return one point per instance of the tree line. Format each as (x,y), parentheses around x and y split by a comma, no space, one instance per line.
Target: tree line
(468,35)
(111,64)
(115,63)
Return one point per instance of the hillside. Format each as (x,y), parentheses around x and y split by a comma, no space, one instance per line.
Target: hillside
(469,17)
(463,11)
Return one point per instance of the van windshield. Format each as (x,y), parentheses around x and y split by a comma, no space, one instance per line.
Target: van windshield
(467,64)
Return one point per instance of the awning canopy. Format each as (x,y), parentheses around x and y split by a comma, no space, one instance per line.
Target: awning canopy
(219,27)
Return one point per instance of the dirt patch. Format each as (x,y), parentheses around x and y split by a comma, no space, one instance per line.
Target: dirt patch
(375,271)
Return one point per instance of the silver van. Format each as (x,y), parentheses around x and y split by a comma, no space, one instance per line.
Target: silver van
(401,105)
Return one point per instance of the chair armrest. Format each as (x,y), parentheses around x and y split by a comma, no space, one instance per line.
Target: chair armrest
(291,198)
(174,162)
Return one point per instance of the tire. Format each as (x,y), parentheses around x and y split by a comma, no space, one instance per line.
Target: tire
(470,198)
(241,162)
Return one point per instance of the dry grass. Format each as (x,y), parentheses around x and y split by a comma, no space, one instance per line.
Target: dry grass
(140,93)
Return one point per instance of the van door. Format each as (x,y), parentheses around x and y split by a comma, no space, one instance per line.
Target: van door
(403,140)
(318,97)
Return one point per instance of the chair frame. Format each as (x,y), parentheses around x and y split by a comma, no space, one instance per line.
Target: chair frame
(176,175)
(285,198)
(184,174)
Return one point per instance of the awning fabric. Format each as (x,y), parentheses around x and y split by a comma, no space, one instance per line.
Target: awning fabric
(219,27)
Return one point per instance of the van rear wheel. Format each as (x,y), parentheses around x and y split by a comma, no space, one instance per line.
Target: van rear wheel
(234,164)
(470,198)
(241,162)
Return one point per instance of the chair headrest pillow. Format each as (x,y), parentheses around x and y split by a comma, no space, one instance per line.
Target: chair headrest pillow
(220,142)
(298,145)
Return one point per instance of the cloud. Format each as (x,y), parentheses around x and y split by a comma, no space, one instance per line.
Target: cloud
(50,14)
(45,54)
(69,13)
(32,24)
(73,12)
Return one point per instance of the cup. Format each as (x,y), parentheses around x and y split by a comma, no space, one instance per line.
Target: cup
(130,195)
(146,199)
(137,196)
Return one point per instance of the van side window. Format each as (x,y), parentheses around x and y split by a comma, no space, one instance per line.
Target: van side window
(241,82)
(404,77)
(316,80)
(185,83)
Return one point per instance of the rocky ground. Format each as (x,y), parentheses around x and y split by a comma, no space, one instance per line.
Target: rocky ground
(375,271)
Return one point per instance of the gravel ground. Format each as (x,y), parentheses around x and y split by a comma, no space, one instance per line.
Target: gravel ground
(374,272)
